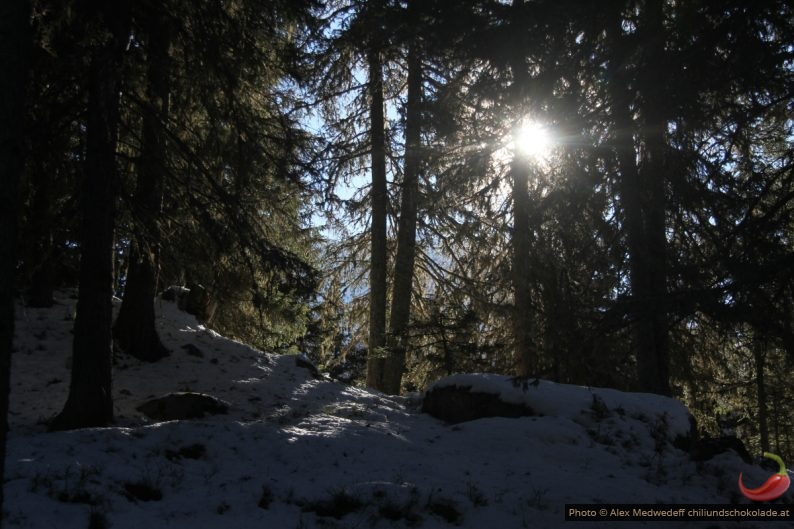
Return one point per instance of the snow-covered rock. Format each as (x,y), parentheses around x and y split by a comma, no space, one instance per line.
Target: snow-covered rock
(547,398)
(182,406)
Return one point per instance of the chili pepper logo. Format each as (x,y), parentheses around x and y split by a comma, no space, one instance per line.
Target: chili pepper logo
(774,487)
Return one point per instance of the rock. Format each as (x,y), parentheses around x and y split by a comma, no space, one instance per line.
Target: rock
(455,404)
(199,302)
(708,447)
(181,406)
(192,350)
(303,361)
(174,293)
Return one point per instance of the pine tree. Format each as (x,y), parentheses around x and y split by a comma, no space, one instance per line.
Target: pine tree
(376,362)
(56,117)
(90,401)
(134,330)
(402,288)
(231,219)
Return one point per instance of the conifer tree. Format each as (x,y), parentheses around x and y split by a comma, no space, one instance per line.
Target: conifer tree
(90,401)
(134,330)
(376,362)
(402,288)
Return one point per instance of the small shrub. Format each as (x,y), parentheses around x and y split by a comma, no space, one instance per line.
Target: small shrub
(97,520)
(445,509)
(194,451)
(394,512)
(475,495)
(77,496)
(660,431)
(537,499)
(599,408)
(391,511)
(142,491)
(340,504)
(70,486)
(266,498)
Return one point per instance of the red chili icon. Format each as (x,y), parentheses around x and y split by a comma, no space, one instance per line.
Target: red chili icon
(776,485)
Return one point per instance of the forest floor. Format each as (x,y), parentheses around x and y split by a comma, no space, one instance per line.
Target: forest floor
(297,451)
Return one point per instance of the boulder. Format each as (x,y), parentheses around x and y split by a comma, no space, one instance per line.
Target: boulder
(181,406)
(174,293)
(305,362)
(708,447)
(456,404)
(199,302)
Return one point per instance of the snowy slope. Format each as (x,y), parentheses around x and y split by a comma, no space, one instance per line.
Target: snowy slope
(299,452)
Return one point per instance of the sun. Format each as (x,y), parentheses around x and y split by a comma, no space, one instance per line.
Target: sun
(533,140)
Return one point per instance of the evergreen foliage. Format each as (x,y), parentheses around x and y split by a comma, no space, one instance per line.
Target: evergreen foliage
(347,178)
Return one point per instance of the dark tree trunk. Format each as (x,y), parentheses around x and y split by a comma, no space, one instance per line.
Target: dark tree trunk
(525,355)
(40,245)
(630,188)
(14,50)
(90,401)
(642,197)
(134,331)
(556,323)
(406,236)
(653,362)
(759,352)
(378,257)
(526,358)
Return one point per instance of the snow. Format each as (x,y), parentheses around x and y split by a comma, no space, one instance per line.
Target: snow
(297,451)
(563,400)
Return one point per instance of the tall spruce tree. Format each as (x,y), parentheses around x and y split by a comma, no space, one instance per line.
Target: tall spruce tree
(134,330)
(641,183)
(90,401)
(402,287)
(378,265)
(218,198)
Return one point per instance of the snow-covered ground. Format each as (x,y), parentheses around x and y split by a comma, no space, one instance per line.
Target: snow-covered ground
(296,451)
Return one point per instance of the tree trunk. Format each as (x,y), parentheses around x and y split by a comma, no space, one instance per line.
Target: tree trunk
(526,357)
(759,352)
(90,401)
(378,258)
(14,50)
(406,236)
(629,188)
(642,196)
(653,362)
(40,258)
(642,305)
(134,331)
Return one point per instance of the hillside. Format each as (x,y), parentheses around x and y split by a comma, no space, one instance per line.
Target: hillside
(298,451)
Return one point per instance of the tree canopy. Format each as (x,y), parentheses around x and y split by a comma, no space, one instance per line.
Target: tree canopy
(591,193)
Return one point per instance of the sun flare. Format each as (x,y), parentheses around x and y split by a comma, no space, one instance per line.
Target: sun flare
(533,140)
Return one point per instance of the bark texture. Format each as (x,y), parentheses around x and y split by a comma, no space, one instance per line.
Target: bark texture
(90,401)
(376,359)
(525,356)
(653,355)
(406,236)
(640,148)
(134,331)
(14,50)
